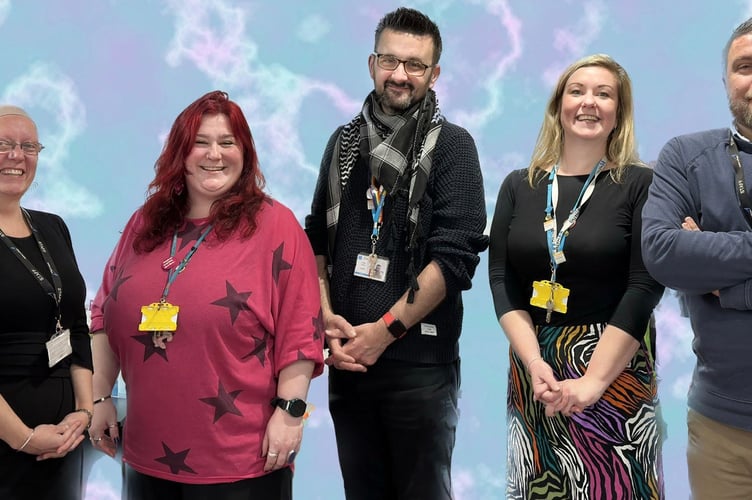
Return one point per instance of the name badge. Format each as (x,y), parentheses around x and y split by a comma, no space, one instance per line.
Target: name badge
(159,317)
(58,347)
(550,296)
(371,266)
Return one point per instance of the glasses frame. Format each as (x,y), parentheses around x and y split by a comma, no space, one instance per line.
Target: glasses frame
(403,62)
(38,147)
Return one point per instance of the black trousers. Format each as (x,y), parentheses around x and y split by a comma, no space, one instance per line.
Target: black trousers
(276,485)
(395,427)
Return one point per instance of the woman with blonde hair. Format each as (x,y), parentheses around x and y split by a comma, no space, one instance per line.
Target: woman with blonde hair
(573,297)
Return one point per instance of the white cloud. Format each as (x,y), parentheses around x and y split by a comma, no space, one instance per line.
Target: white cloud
(313,28)
(50,97)
(4,10)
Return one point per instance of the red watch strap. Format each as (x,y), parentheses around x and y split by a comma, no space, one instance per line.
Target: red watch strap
(395,326)
(388,318)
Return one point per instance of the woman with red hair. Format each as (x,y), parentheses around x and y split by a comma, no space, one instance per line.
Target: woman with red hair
(209,307)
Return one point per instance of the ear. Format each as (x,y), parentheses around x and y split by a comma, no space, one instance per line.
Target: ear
(435,72)
(372,66)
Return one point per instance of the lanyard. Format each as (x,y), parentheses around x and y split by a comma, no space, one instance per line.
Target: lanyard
(378,197)
(173,273)
(744,202)
(556,239)
(54,289)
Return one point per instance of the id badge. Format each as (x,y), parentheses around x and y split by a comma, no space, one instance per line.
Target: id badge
(58,347)
(548,225)
(371,266)
(559,257)
(159,317)
(544,292)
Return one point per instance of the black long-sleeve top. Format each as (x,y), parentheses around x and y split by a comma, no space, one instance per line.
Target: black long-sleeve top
(29,313)
(604,270)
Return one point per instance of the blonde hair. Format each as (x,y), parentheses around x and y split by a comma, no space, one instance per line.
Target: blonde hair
(621,148)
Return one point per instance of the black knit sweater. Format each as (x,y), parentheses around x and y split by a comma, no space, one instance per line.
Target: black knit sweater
(452,220)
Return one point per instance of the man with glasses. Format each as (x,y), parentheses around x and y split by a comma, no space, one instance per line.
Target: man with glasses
(396,224)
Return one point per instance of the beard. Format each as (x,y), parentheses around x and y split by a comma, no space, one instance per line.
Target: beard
(392,103)
(741,110)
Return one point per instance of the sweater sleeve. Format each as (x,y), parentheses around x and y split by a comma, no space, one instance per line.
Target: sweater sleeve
(315,222)
(506,293)
(643,293)
(459,211)
(694,262)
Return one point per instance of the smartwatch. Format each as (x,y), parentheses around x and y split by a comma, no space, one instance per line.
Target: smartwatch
(295,407)
(395,326)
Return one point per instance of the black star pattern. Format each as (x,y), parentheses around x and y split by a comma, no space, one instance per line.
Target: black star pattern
(189,233)
(278,263)
(119,280)
(223,402)
(318,325)
(259,349)
(234,301)
(175,461)
(149,348)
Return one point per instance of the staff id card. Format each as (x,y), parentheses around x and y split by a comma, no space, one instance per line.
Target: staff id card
(550,295)
(159,317)
(58,347)
(371,266)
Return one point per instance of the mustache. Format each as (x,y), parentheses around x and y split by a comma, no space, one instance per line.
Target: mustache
(405,85)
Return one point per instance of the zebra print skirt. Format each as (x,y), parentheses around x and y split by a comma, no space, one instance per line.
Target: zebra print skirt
(612,450)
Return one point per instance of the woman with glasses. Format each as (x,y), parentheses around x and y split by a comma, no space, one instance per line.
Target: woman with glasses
(209,307)
(45,356)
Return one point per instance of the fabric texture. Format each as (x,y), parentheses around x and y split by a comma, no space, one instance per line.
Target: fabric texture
(400,150)
(612,449)
(36,393)
(694,177)
(248,308)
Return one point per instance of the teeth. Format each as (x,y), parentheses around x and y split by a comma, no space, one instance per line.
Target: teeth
(587,118)
(11,171)
(213,169)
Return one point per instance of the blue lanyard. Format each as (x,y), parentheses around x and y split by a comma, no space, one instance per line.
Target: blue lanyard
(378,196)
(556,239)
(173,273)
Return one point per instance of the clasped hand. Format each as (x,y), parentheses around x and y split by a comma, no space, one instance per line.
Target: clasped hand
(57,440)
(567,396)
(362,346)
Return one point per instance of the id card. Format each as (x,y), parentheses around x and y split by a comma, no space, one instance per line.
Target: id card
(546,293)
(58,347)
(371,266)
(159,317)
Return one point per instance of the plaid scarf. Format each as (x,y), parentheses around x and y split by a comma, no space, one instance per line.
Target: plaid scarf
(399,149)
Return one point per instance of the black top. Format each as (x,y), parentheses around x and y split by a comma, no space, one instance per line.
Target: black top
(29,313)
(452,220)
(603,269)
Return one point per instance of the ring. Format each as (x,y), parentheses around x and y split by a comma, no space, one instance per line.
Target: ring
(272,454)
(291,456)
(112,425)
(96,440)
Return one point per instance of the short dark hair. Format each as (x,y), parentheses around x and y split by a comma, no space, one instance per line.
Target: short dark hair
(743,29)
(411,21)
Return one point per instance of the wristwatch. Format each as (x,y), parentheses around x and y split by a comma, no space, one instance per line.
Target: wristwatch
(395,326)
(295,407)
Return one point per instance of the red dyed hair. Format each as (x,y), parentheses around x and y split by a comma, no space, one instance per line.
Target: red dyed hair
(167,201)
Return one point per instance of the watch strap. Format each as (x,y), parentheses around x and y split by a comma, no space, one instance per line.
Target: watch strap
(395,326)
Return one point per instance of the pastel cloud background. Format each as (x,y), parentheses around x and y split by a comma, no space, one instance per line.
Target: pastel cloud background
(105,79)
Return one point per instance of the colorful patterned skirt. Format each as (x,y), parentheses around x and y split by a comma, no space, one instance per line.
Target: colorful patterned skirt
(612,450)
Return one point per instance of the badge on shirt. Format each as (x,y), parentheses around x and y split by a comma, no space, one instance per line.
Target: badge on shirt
(371,266)
(58,347)
(159,317)
(550,296)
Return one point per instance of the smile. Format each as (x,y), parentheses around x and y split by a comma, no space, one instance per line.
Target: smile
(11,171)
(213,169)
(587,118)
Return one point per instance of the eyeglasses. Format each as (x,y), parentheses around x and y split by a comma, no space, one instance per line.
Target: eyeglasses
(28,148)
(390,63)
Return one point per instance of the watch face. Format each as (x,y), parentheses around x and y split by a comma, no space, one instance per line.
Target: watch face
(296,407)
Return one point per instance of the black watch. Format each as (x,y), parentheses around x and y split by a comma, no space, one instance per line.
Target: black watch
(395,326)
(295,407)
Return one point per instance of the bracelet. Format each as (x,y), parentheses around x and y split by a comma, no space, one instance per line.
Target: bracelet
(532,361)
(88,414)
(27,441)
(102,399)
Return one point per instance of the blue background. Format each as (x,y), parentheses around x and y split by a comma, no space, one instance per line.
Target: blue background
(104,80)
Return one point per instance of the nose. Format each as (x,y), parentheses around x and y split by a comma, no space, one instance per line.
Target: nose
(213,152)
(399,73)
(588,100)
(16,152)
